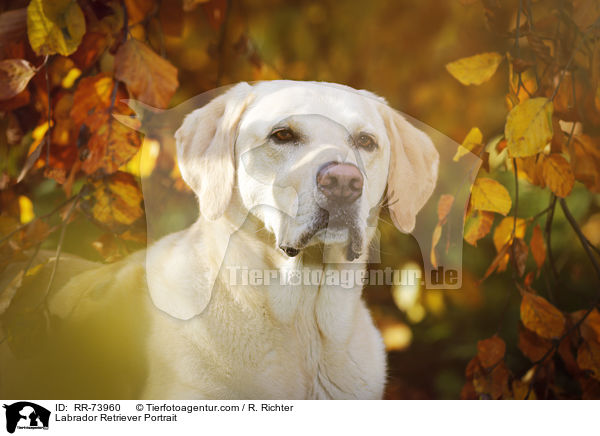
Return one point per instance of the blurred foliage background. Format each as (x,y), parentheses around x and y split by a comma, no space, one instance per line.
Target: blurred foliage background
(398,50)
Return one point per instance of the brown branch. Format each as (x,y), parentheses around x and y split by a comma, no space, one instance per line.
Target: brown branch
(556,345)
(52,212)
(60,244)
(548,234)
(584,241)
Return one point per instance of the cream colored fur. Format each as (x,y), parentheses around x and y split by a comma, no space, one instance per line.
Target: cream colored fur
(206,337)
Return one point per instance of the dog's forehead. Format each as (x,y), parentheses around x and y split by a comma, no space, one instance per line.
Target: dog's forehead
(344,106)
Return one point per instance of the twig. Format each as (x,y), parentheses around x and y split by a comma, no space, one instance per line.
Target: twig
(586,244)
(548,233)
(539,214)
(52,212)
(60,243)
(557,343)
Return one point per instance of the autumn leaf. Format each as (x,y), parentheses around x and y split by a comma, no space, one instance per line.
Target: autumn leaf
(503,231)
(15,74)
(529,127)
(489,384)
(519,252)
(55,26)
(150,78)
(477,226)
(473,140)
(585,161)
(13,25)
(588,357)
(490,351)
(475,70)
(521,391)
(557,175)
(530,169)
(111,143)
(500,260)
(541,317)
(115,202)
(437,234)
(590,328)
(111,146)
(531,345)
(538,246)
(489,195)
(190,5)
(444,206)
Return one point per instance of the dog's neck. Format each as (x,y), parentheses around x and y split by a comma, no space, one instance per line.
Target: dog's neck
(252,266)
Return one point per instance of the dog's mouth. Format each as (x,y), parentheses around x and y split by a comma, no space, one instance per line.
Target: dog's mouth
(328,228)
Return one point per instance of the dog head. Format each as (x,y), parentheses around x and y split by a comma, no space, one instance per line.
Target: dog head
(313,161)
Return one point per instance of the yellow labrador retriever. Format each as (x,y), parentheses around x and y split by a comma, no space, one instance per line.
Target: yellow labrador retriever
(290,177)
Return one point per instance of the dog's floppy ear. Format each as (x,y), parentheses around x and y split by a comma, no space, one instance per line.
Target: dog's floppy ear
(205,149)
(413,169)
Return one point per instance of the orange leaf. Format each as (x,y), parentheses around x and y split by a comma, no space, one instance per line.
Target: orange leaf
(590,328)
(531,345)
(538,247)
(500,257)
(588,357)
(490,351)
(116,202)
(585,161)
(150,78)
(519,251)
(437,234)
(477,226)
(541,317)
(558,175)
(444,206)
(111,143)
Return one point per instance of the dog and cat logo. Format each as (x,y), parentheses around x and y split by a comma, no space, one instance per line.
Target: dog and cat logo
(26,415)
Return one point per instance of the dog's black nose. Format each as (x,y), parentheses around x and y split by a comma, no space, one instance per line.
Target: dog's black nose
(340,182)
(290,251)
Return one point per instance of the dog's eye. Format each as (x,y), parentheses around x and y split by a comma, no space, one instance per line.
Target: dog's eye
(366,141)
(283,135)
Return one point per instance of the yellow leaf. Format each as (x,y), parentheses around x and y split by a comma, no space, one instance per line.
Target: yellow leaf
(473,139)
(557,174)
(15,74)
(529,127)
(488,194)
(475,70)
(541,317)
(503,232)
(55,26)
(150,78)
(25,209)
